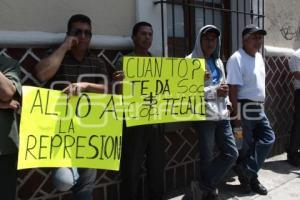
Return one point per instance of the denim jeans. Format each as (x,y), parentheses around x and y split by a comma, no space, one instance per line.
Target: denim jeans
(258,137)
(83,189)
(214,168)
(295,136)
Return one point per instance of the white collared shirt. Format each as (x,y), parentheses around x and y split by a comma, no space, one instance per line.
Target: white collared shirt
(294,64)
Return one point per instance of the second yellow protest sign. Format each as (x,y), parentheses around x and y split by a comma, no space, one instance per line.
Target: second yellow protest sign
(159,90)
(81,131)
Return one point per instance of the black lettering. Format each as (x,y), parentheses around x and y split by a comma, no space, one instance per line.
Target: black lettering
(28,149)
(195,104)
(132,86)
(108,147)
(59,127)
(71,127)
(88,103)
(185,68)
(129,113)
(37,97)
(149,68)
(42,146)
(158,67)
(78,146)
(181,106)
(174,107)
(127,70)
(162,88)
(167,105)
(172,65)
(167,87)
(111,101)
(67,106)
(140,68)
(143,88)
(195,61)
(202,104)
(102,146)
(94,147)
(181,85)
(47,101)
(118,147)
(52,145)
(159,87)
(66,145)
(189,105)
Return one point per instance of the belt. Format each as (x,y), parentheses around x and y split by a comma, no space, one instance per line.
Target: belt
(250,102)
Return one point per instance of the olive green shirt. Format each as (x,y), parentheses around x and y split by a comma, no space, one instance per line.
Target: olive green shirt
(8,122)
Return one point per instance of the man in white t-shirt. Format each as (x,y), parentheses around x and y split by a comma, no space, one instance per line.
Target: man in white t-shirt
(246,79)
(293,155)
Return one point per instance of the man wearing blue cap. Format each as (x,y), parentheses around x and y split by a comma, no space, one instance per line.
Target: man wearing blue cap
(246,79)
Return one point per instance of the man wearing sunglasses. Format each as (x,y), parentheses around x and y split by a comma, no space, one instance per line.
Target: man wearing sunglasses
(73,69)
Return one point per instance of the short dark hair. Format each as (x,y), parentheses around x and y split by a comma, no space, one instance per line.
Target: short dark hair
(78,18)
(138,25)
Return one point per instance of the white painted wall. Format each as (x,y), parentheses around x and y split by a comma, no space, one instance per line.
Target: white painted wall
(282,22)
(146,10)
(112,20)
(109,17)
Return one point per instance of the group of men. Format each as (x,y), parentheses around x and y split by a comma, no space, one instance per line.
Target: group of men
(243,91)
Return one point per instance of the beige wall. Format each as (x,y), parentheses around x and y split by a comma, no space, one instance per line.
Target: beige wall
(282,23)
(109,17)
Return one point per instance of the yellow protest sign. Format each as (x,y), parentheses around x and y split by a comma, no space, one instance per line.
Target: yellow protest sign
(159,90)
(80,131)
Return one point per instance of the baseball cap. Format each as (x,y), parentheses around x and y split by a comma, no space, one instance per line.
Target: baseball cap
(251,28)
(211,29)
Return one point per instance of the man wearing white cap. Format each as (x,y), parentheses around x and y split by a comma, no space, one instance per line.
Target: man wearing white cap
(246,79)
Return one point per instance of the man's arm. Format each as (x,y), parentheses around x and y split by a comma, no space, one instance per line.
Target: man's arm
(96,88)
(47,67)
(76,88)
(7,88)
(233,91)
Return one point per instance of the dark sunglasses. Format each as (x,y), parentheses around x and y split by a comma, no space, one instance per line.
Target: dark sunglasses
(78,32)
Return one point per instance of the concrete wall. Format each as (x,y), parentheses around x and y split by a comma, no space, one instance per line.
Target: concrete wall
(109,17)
(282,23)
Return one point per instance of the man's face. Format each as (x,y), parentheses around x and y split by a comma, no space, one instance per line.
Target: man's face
(209,43)
(82,31)
(143,38)
(253,42)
